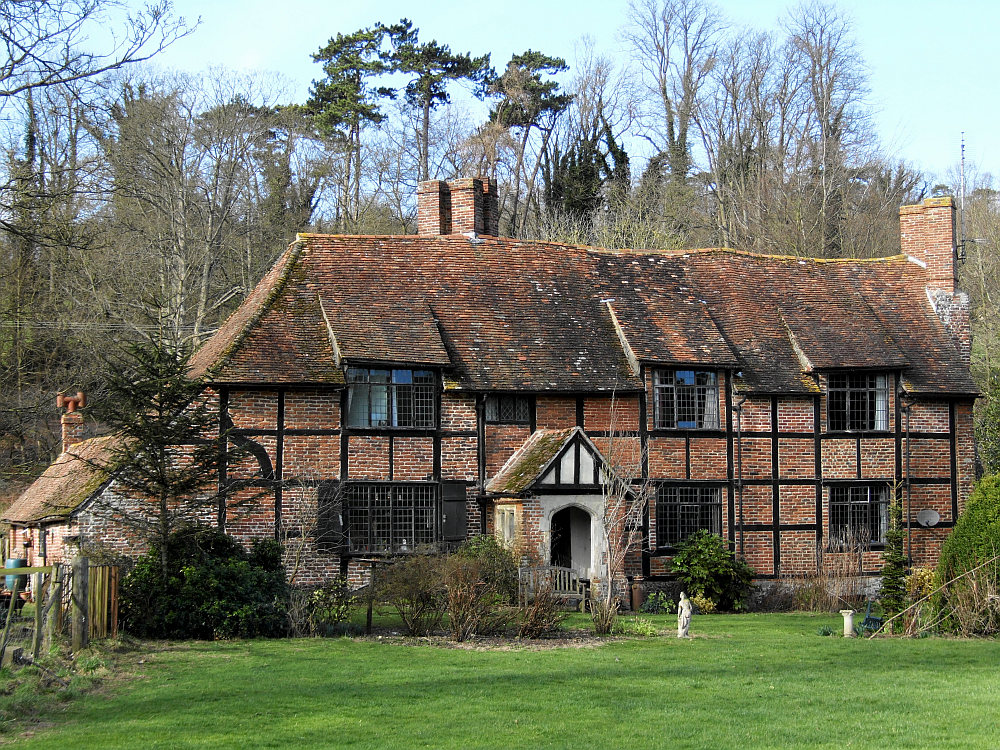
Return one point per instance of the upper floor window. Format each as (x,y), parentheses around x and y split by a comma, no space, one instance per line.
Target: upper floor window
(508,409)
(858,402)
(686,399)
(390,398)
(859,514)
(681,511)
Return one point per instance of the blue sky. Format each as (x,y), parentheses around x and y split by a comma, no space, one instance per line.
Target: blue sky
(933,65)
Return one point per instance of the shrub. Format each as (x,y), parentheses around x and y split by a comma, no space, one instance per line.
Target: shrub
(707,568)
(638,626)
(968,604)
(703,604)
(474,606)
(920,583)
(414,586)
(541,615)
(603,614)
(214,588)
(657,603)
(497,565)
(329,606)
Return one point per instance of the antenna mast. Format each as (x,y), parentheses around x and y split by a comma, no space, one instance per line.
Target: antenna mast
(961,210)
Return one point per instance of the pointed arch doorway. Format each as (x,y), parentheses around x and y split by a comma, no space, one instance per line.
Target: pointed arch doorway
(570,542)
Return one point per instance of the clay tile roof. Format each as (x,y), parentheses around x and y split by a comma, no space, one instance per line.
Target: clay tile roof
(530,461)
(278,334)
(69,481)
(503,314)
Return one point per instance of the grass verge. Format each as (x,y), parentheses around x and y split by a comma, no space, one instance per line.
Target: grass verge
(742,681)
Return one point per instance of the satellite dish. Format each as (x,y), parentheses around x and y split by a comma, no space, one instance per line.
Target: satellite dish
(928,517)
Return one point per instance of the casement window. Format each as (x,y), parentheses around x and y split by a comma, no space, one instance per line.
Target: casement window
(391,398)
(506,525)
(686,399)
(508,409)
(858,402)
(681,511)
(859,514)
(382,517)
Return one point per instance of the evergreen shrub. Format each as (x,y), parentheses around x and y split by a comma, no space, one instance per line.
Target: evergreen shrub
(213,588)
(709,569)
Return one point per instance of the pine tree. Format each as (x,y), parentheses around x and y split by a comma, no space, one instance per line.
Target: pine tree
(893,592)
(169,448)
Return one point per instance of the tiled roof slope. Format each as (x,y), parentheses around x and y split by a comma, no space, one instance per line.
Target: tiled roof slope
(530,461)
(503,314)
(278,335)
(65,484)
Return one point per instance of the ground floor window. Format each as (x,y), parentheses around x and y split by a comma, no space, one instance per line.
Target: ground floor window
(506,520)
(681,511)
(859,514)
(390,517)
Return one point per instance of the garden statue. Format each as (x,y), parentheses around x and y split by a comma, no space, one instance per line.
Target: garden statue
(683,616)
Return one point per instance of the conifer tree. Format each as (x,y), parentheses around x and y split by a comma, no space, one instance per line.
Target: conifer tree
(893,592)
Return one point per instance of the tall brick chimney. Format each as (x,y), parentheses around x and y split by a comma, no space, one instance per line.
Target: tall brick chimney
(72,420)
(458,207)
(927,235)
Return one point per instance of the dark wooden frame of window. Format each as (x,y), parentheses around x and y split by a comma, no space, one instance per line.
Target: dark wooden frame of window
(508,408)
(682,510)
(390,517)
(858,506)
(857,402)
(387,398)
(685,400)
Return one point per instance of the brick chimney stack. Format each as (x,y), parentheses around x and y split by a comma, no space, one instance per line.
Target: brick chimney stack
(927,235)
(72,420)
(458,207)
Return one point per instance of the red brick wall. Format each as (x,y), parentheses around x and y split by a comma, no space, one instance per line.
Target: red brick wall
(555,412)
(412,458)
(610,414)
(305,410)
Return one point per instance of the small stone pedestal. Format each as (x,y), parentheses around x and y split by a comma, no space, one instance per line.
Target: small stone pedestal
(848,622)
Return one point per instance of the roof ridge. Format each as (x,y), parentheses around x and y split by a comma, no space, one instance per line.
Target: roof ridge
(599,250)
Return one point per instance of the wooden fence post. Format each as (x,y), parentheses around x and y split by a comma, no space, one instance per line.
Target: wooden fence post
(36,639)
(54,608)
(81,621)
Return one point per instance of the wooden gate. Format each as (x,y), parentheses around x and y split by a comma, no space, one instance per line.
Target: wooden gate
(102,601)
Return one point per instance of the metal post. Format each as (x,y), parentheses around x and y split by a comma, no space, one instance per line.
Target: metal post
(81,619)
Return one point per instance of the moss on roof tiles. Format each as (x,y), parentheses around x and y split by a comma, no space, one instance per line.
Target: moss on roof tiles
(512,315)
(525,467)
(67,483)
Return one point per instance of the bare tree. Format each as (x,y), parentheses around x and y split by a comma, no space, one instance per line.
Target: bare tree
(626,497)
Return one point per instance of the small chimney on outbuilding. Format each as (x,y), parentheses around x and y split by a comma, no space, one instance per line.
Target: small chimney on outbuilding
(461,206)
(72,420)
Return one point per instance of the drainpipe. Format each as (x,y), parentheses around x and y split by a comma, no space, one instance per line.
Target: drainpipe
(906,407)
(738,408)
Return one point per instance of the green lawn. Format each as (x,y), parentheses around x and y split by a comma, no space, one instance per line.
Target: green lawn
(742,681)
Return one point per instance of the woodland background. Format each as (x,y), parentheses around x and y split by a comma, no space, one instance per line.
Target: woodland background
(141,202)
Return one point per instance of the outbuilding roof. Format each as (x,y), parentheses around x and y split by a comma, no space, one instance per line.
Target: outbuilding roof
(71,479)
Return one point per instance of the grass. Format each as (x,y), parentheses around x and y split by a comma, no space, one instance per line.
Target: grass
(742,681)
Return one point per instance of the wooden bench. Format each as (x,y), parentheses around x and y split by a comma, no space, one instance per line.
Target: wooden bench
(564,583)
